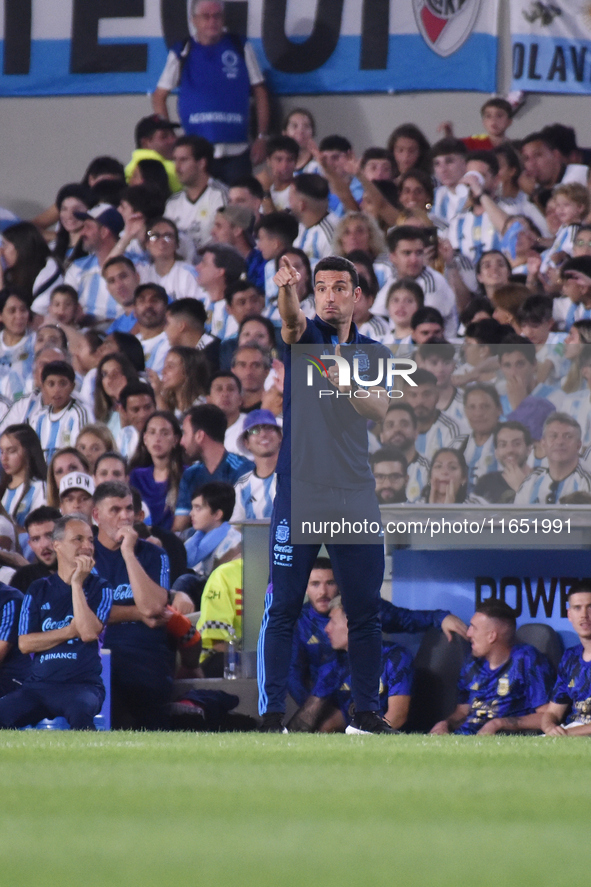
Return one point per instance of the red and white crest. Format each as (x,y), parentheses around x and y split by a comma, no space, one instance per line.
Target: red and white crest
(445,24)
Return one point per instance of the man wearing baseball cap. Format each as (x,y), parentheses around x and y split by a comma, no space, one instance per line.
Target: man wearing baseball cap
(102,226)
(76,492)
(154,140)
(255,491)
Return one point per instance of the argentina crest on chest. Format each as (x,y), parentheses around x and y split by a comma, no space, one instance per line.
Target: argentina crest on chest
(445,25)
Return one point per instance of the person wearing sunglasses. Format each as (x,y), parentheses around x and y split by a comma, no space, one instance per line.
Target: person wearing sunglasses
(561,439)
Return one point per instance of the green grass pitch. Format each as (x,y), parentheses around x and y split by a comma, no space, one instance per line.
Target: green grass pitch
(278,811)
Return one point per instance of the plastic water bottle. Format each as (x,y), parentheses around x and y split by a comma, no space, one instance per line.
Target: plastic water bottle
(232,657)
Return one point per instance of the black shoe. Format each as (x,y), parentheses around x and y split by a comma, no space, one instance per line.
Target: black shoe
(273,723)
(368,722)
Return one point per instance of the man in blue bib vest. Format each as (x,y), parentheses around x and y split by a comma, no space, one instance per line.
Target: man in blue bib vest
(326,468)
(215,73)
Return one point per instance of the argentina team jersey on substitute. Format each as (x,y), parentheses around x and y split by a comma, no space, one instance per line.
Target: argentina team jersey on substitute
(310,651)
(334,679)
(573,685)
(514,689)
(111,565)
(331,444)
(15,666)
(57,430)
(48,606)
(254,497)
(538,488)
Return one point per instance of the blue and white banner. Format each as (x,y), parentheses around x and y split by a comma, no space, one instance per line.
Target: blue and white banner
(551,46)
(535,583)
(73,47)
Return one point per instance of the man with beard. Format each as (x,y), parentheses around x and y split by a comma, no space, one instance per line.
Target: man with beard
(435,428)
(149,306)
(512,443)
(39,525)
(204,429)
(390,469)
(400,430)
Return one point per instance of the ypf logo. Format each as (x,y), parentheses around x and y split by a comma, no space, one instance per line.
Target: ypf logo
(445,24)
(385,371)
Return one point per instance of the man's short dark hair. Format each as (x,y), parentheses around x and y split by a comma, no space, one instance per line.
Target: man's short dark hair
(251,184)
(536,309)
(41,515)
(581,586)
(104,166)
(404,408)
(219,496)
(403,232)
(283,225)
(424,377)
(496,609)
(118,260)
(497,102)
(114,489)
(135,389)
(58,368)
(322,563)
(577,263)
(335,143)
(199,146)
(488,157)
(228,258)
(193,310)
(523,346)
(376,153)
(512,425)
(448,146)
(155,288)
(210,419)
(389,454)
(486,332)
(225,374)
(338,263)
(427,314)
(445,351)
(240,286)
(540,136)
(311,185)
(283,143)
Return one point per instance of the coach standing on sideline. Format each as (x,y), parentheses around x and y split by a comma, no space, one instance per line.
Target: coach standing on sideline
(359,569)
(62,617)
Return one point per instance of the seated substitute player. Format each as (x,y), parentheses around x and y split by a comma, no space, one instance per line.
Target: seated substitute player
(14,665)
(359,568)
(62,617)
(569,711)
(505,686)
(311,645)
(327,709)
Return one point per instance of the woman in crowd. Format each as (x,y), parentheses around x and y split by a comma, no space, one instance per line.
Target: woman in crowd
(28,265)
(157,467)
(94,440)
(578,336)
(492,271)
(17,344)
(152,174)
(114,372)
(68,246)
(410,149)
(300,126)
(184,382)
(416,190)
(110,466)
(448,480)
(358,231)
(22,488)
(64,461)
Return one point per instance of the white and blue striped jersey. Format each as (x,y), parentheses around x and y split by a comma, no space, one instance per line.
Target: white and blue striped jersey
(441,433)
(565,312)
(180,282)
(480,459)
(271,288)
(24,410)
(94,297)
(18,505)
(127,441)
(155,350)
(57,430)
(223,324)
(578,406)
(418,477)
(195,219)
(438,294)
(473,235)
(254,497)
(539,488)
(19,356)
(376,328)
(316,241)
(521,205)
(455,410)
(447,204)
(563,243)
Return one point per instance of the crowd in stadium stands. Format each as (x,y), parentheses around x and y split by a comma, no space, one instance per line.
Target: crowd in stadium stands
(141,393)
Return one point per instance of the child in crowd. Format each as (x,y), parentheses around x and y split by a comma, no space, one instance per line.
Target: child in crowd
(59,422)
(63,305)
(534,318)
(449,166)
(497,117)
(404,299)
(277,176)
(572,205)
(215,540)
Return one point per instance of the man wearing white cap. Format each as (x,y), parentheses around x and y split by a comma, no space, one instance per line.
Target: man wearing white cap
(76,492)
(255,491)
